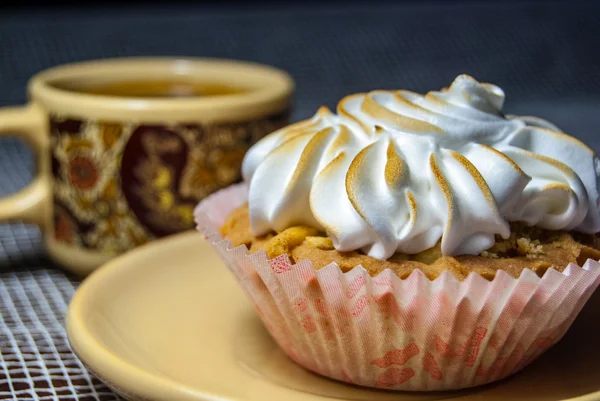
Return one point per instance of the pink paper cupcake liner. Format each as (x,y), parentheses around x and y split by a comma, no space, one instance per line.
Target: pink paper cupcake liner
(402,334)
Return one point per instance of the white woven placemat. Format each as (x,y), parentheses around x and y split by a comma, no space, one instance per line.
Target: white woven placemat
(36,362)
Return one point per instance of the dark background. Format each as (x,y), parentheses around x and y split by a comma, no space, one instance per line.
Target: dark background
(545,55)
(537,51)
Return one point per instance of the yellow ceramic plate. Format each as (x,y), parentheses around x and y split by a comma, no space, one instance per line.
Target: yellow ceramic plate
(168,322)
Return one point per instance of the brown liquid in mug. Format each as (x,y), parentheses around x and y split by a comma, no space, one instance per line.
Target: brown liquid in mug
(156,89)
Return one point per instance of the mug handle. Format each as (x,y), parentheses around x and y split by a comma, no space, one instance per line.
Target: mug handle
(30,204)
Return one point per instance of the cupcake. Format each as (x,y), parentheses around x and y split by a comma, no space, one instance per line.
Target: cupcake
(414,242)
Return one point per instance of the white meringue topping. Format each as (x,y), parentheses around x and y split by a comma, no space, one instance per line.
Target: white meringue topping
(395,171)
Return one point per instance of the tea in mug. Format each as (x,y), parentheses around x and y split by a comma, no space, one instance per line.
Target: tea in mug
(155,89)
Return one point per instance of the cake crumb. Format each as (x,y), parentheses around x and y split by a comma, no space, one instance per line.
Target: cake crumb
(323,243)
(528,247)
(489,255)
(289,238)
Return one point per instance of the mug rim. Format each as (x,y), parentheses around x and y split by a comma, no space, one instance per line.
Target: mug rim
(270,89)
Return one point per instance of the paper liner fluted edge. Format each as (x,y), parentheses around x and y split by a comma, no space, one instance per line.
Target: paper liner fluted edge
(404,334)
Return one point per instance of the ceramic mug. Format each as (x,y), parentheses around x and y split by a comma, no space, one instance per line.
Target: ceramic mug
(116,170)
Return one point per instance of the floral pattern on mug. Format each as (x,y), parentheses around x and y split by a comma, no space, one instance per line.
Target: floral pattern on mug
(120,184)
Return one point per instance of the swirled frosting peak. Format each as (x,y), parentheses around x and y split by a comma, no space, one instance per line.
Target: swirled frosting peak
(397,171)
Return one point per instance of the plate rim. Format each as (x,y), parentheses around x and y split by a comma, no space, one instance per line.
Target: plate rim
(115,371)
(111,369)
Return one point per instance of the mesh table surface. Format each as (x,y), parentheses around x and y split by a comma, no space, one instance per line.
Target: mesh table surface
(544,55)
